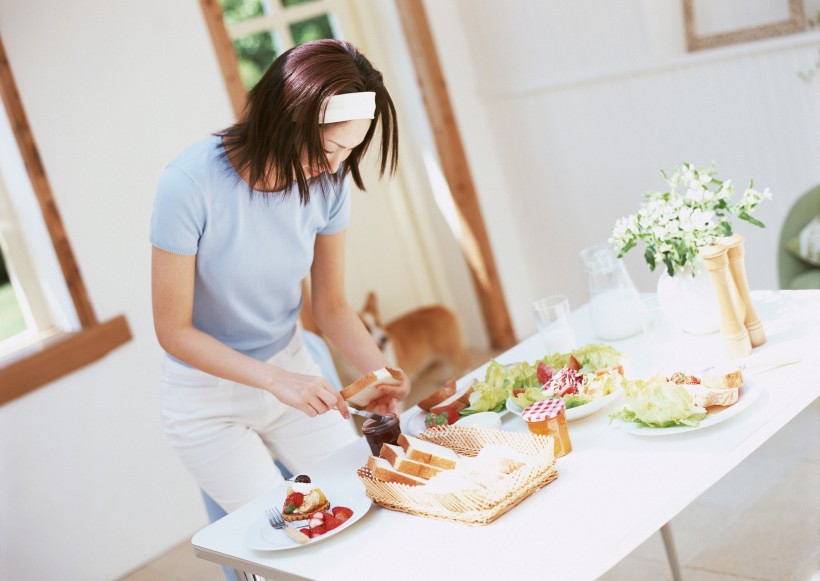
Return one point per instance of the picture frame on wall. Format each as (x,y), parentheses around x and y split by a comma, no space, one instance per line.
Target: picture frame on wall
(714,23)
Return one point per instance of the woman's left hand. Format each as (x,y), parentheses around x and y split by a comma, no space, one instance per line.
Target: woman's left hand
(387,403)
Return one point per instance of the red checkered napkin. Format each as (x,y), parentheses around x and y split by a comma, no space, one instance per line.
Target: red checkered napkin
(543,410)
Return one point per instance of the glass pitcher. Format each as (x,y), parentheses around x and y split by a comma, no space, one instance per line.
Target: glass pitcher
(614,303)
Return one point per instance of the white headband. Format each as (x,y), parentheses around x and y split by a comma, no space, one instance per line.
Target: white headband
(349,106)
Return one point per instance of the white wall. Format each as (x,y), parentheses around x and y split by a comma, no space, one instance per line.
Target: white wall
(89,487)
(570,109)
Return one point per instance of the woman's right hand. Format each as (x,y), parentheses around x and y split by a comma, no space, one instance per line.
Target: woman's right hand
(311,394)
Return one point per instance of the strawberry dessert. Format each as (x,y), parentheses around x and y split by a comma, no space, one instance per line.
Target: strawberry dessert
(306,501)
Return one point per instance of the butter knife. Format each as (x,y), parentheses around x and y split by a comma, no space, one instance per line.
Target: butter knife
(370,415)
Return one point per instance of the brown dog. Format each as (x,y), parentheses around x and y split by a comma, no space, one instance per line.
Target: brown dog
(419,339)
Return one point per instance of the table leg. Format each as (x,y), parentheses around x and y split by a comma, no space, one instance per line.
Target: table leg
(671,555)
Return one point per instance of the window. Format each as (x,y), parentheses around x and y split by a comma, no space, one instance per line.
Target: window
(47,323)
(12,323)
(261,30)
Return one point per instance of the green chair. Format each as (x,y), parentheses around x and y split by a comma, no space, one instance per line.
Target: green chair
(793,272)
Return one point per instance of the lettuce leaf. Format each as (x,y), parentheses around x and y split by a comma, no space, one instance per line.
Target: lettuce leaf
(601,385)
(529,397)
(592,357)
(659,403)
(486,398)
(573,400)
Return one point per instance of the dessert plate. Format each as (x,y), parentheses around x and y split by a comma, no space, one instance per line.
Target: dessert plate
(578,412)
(749,393)
(263,537)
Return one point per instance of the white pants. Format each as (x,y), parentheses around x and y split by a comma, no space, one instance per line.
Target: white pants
(225,432)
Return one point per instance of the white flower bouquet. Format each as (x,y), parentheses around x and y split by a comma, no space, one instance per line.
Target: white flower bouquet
(674,225)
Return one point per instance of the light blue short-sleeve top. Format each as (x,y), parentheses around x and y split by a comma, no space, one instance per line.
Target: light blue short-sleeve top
(252,249)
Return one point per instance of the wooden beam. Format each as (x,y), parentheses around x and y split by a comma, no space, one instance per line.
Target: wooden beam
(224,53)
(62,355)
(42,190)
(475,244)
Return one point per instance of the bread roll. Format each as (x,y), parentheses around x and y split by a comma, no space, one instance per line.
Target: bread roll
(723,378)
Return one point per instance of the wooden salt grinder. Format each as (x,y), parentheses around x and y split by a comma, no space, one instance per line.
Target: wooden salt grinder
(737,267)
(734,332)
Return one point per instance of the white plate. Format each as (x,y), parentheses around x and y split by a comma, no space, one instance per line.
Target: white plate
(577,412)
(414,424)
(749,392)
(263,537)
(481,420)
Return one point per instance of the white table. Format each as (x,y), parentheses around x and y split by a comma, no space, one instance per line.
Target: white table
(613,491)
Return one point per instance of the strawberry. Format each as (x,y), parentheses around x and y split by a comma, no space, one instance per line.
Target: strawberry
(293,501)
(305,530)
(450,413)
(574,364)
(544,372)
(331,522)
(316,531)
(342,513)
(317,519)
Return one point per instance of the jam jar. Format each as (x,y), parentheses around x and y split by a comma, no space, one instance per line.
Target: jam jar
(548,418)
(381,432)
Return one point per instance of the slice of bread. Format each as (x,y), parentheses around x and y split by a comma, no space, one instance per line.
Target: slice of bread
(362,391)
(704,396)
(428,452)
(722,378)
(399,460)
(457,401)
(438,396)
(382,470)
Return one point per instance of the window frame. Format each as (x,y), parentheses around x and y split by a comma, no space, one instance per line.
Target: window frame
(58,353)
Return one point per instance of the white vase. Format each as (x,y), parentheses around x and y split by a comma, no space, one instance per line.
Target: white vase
(690,303)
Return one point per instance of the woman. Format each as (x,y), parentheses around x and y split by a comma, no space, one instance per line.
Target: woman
(239,220)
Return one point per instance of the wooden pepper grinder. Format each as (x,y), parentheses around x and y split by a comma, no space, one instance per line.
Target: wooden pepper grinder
(731,325)
(737,266)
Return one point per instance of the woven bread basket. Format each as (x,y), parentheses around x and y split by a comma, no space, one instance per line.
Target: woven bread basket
(474,507)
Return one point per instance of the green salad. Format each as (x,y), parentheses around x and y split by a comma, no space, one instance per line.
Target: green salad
(571,376)
(659,403)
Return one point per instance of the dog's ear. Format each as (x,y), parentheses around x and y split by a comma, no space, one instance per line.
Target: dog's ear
(370,304)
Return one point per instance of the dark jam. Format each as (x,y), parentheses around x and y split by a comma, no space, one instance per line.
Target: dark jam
(377,433)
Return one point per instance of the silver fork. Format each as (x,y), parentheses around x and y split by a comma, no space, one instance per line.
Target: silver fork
(276,521)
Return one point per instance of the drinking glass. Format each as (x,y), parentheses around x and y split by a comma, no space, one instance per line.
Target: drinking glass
(552,320)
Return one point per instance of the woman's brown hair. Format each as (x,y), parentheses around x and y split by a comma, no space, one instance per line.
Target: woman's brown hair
(281,117)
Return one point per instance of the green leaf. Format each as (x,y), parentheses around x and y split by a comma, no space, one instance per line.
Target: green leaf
(744,215)
(725,228)
(649,256)
(627,247)
(670,268)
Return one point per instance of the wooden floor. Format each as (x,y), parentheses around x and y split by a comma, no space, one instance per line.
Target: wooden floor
(761,522)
